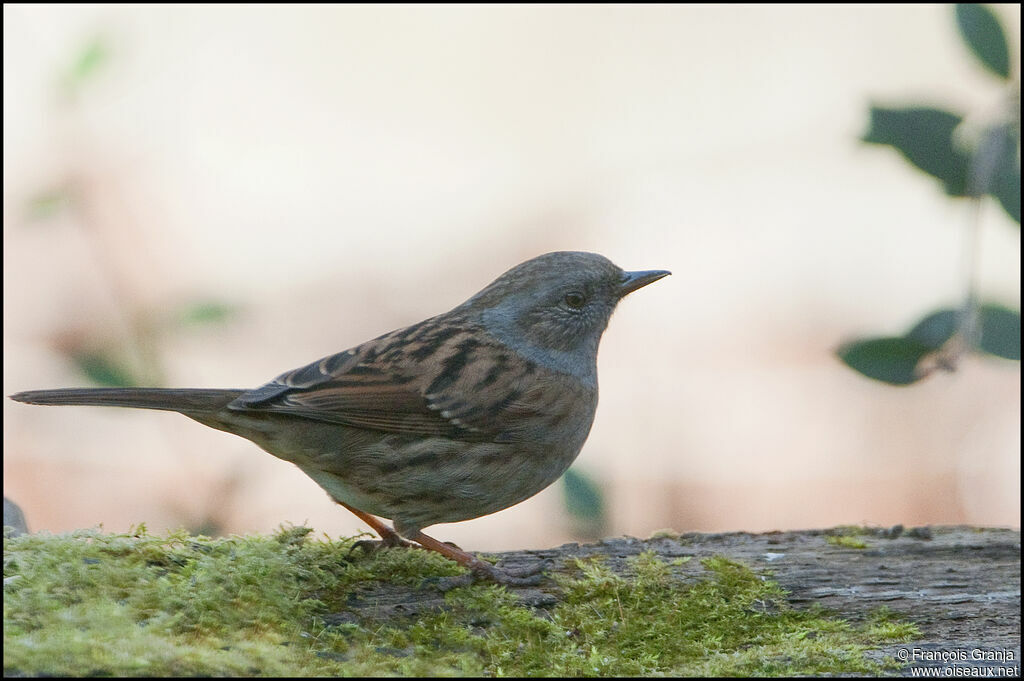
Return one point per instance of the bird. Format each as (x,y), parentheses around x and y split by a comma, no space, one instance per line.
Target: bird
(458,416)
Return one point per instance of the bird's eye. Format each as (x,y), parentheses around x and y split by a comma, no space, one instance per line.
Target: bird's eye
(575,300)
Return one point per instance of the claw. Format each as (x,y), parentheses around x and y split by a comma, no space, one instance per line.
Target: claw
(371,546)
(528,576)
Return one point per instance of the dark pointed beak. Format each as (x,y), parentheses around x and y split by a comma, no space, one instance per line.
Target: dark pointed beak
(631,281)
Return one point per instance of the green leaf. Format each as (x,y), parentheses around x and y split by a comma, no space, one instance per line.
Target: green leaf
(981,30)
(584,500)
(89,60)
(1000,332)
(207,312)
(924,136)
(103,369)
(895,360)
(935,329)
(48,203)
(892,360)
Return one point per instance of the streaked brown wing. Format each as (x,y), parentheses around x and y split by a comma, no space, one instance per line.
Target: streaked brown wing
(362,395)
(435,378)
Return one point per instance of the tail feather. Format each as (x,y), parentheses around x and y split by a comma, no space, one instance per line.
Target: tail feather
(166,399)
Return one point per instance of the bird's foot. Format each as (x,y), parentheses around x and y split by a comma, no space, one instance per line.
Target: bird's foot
(387,541)
(388,537)
(478,569)
(482,570)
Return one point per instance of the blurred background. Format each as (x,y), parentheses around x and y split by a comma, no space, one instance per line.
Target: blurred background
(209,196)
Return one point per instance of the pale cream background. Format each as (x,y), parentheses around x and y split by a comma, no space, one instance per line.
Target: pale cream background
(342,171)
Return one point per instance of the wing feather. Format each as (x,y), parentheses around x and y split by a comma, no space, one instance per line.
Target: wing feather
(436,378)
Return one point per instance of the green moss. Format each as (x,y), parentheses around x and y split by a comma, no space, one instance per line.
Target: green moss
(89,603)
(848,536)
(885,625)
(665,533)
(848,542)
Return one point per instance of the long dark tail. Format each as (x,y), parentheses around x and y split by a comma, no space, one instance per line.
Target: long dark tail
(197,400)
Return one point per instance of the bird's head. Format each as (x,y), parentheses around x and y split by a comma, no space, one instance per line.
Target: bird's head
(553,309)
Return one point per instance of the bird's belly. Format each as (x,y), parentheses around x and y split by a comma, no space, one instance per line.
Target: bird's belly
(346,492)
(423,481)
(419,481)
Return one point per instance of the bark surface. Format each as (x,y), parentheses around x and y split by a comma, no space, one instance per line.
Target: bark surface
(960,585)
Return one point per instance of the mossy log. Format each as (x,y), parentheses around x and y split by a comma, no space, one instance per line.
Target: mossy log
(959,585)
(846,600)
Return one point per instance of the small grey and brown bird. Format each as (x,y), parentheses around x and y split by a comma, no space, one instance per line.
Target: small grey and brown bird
(459,416)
